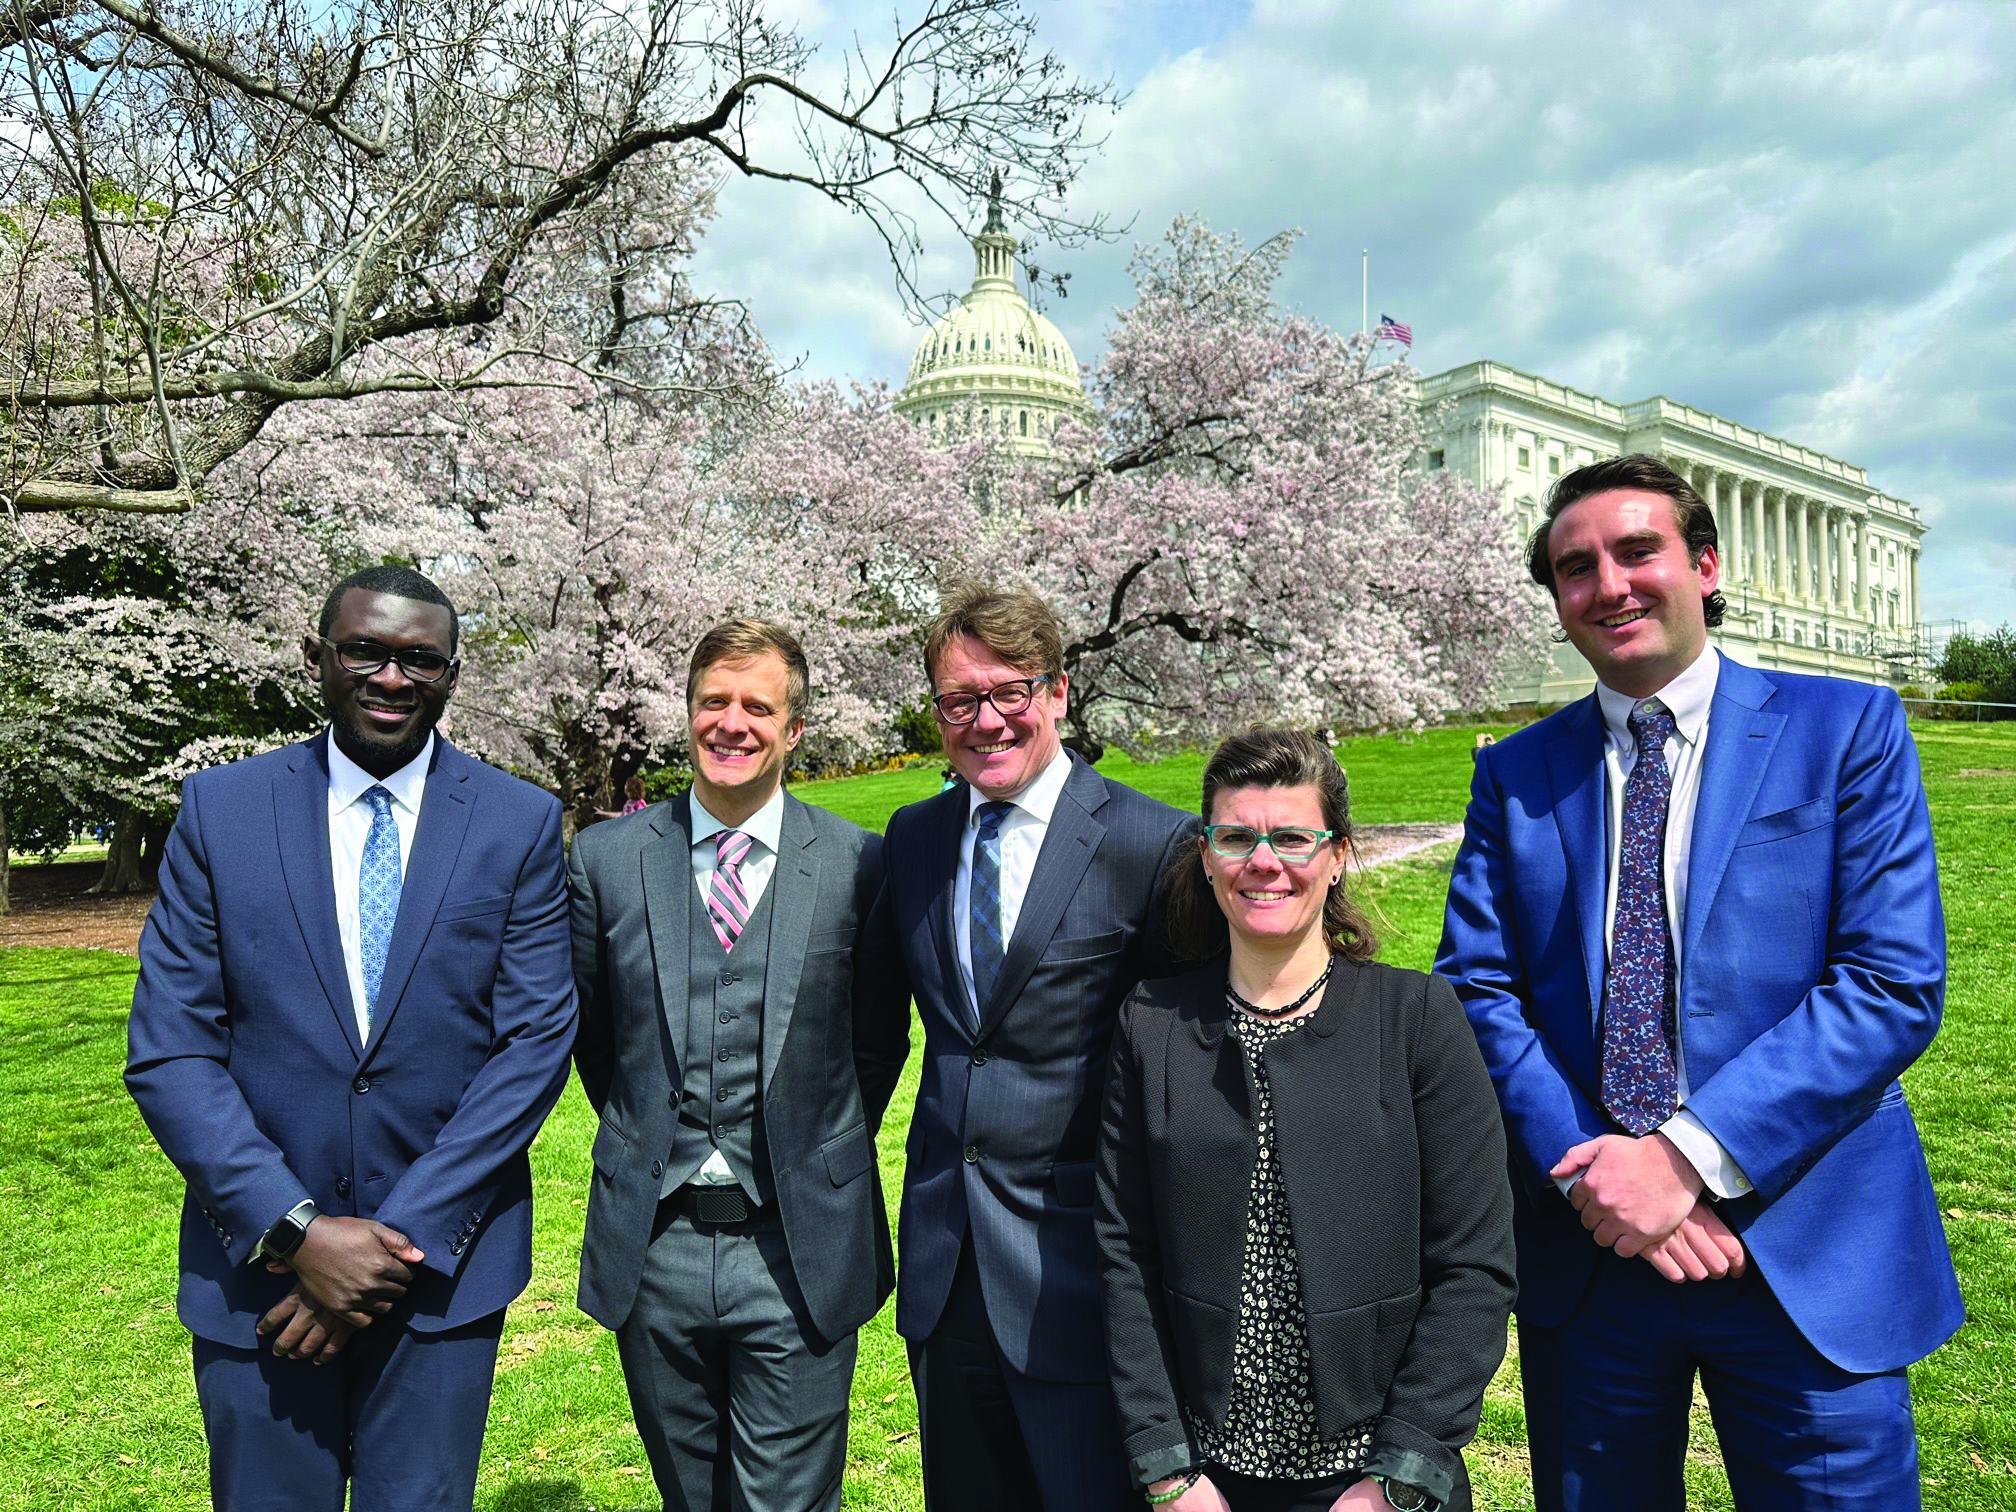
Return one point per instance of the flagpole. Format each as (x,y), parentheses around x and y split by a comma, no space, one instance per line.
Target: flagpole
(1365,291)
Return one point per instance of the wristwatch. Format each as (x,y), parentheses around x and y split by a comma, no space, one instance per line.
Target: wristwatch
(280,1241)
(1405,1498)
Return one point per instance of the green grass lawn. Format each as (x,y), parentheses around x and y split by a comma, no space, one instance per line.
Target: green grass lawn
(96,1401)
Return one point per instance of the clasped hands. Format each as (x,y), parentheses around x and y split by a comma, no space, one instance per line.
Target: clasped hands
(347,1272)
(1641,1196)
(1363,1495)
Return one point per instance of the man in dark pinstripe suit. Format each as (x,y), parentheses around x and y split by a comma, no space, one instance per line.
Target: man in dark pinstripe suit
(1029,900)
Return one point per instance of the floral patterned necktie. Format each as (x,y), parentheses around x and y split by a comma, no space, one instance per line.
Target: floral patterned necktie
(1641,1083)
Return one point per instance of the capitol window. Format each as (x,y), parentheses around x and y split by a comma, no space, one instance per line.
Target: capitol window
(1435,459)
(1525,457)
(1025,422)
(1554,463)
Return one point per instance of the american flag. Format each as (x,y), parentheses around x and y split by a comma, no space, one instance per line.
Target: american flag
(1391,330)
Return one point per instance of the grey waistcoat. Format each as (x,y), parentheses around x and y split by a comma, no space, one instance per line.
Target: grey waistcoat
(720,1095)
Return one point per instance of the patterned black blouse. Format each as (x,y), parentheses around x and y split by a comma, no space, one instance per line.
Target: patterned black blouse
(1270,1413)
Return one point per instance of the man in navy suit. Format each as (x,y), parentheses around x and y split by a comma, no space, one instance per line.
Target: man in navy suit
(1695,921)
(354,1011)
(1029,899)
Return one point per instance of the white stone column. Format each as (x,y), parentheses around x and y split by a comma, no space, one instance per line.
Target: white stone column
(1862,567)
(1827,554)
(1781,558)
(1911,593)
(1729,515)
(1804,581)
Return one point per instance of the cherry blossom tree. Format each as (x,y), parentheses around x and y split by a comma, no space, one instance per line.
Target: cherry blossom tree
(589,535)
(219,208)
(1247,531)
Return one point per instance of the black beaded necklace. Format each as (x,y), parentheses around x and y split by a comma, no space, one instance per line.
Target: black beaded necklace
(1275,1013)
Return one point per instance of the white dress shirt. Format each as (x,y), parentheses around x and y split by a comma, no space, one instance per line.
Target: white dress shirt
(1022,830)
(349,826)
(764,828)
(1688,698)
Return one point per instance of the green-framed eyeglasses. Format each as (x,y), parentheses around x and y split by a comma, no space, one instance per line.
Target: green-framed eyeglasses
(1236,842)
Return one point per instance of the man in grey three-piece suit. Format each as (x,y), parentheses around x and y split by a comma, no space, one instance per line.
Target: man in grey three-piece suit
(744,1019)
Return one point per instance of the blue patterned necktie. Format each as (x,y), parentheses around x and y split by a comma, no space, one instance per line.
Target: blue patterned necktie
(377,894)
(985,937)
(1641,1085)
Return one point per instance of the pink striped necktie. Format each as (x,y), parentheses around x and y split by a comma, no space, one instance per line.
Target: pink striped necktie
(727,899)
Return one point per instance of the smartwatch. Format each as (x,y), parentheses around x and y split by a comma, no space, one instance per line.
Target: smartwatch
(1405,1498)
(280,1241)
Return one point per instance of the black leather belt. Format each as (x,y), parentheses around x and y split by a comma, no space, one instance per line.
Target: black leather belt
(721,1206)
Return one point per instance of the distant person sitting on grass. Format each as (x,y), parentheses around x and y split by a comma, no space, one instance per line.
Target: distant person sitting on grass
(354,1011)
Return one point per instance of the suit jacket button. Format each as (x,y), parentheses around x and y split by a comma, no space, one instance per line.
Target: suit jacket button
(361,1085)
(727,979)
(342,1186)
(672,1098)
(972,1154)
(979,1057)
(657,1168)
(721,1096)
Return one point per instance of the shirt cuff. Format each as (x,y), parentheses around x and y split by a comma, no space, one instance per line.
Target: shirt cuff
(1715,1166)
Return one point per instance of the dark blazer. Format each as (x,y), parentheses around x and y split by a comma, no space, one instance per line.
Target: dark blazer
(836,1029)
(1001,1142)
(243,1052)
(1394,1162)
(1813,967)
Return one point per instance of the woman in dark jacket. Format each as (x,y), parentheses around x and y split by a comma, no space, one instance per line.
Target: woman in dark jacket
(1304,1225)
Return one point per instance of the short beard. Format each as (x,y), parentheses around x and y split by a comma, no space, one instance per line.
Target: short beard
(367,755)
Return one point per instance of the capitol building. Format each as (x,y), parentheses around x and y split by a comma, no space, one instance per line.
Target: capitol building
(1820,570)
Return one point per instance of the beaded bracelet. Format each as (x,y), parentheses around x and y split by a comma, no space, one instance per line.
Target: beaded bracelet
(1190,1479)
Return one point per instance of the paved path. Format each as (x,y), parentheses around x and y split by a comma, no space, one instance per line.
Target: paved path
(1380,843)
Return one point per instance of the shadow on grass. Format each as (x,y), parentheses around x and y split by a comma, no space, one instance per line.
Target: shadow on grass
(558,1495)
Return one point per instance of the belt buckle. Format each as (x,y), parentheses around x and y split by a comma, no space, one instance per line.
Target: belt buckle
(720,1204)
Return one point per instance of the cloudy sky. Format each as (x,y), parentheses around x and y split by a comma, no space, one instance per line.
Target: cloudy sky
(1800,216)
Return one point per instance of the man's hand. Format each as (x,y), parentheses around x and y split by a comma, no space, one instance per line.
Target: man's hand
(1703,1248)
(1634,1192)
(355,1268)
(1363,1495)
(1202,1497)
(300,1330)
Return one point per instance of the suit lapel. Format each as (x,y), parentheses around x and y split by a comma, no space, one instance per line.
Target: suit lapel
(794,889)
(941,887)
(1068,845)
(668,909)
(1576,771)
(1742,738)
(301,823)
(437,845)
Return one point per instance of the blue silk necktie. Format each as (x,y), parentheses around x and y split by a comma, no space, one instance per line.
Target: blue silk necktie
(377,894)
(984,936)
(1641,1083)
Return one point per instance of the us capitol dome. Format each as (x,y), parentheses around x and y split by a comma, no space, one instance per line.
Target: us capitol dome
(994,362)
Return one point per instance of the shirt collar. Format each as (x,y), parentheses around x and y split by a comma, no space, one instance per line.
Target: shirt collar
(1039,798)
(765,826)
(348,781)
(1686,698)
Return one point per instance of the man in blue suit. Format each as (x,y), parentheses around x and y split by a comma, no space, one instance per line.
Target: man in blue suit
(1029,899)
(1695,921)
(354,1010)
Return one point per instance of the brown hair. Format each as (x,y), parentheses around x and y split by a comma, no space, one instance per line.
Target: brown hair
(633,787)
(1691,514)
(744,640)
(1266,758)
(1013,623)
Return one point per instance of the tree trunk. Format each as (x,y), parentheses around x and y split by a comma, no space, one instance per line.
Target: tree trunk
(5,858)
(122,857)
(1085,743)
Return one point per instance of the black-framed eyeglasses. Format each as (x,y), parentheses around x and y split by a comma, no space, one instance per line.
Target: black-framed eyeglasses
(1292,843)
(1008,698)
(362,658)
